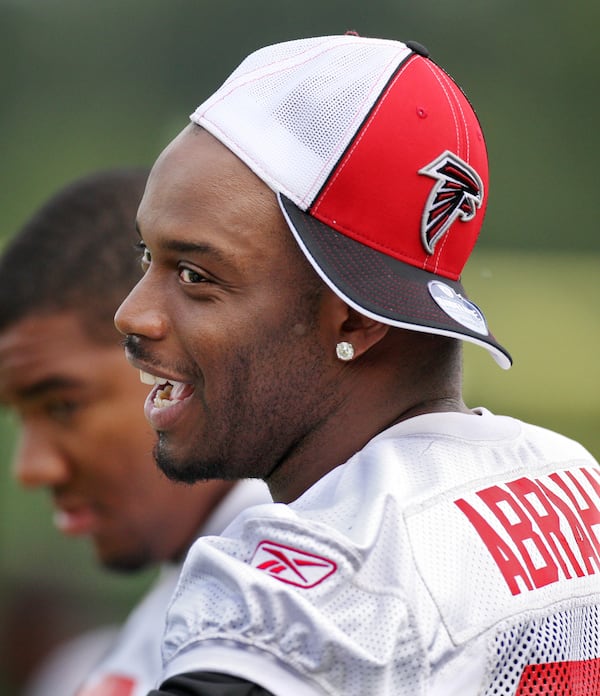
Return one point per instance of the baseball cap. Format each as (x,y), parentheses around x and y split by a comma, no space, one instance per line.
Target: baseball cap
(380,168)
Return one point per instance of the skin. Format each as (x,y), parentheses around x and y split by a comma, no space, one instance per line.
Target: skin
(230,306)
(84,438)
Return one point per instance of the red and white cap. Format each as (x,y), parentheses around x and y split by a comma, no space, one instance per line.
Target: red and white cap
(380,168)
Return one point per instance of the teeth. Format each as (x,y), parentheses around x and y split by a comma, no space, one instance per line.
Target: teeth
(147,378)
(162,403)
(162,396)
(166,392)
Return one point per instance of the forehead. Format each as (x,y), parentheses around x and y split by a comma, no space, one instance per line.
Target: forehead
(199,191)
(50,349)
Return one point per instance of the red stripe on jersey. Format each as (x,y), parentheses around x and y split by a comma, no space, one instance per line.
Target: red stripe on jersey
(572,678)
(110,686)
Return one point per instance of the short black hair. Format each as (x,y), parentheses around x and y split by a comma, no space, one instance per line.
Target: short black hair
(76,253)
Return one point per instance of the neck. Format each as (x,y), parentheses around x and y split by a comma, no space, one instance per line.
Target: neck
(339,439)
(373,393)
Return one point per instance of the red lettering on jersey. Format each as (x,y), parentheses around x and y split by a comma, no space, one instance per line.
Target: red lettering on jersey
(111,685)
(573,678)
(507,562)
(521,531)
(593,476)
(583,541)
(547,526)
(589,511)
(547,519)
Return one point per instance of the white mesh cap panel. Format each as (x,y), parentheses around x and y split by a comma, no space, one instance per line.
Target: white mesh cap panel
(290,110)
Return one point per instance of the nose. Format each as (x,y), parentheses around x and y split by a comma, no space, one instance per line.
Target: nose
(140,313)
(38,461)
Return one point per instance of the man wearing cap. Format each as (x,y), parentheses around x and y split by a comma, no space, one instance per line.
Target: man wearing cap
(302,316)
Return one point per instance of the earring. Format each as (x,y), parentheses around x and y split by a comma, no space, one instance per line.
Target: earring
(344,351)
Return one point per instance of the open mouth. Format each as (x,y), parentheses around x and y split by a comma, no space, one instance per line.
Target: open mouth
(166,393)
(76,520)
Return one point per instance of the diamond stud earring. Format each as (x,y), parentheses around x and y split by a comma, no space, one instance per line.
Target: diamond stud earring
(344,351)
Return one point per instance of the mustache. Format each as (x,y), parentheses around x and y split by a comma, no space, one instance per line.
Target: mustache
(135,349)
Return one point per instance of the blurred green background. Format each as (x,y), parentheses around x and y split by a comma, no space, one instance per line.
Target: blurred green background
(88,85)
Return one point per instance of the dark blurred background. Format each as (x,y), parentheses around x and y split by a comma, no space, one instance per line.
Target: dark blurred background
(87,85)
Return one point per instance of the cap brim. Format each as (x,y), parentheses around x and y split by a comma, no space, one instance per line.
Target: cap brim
(387,289)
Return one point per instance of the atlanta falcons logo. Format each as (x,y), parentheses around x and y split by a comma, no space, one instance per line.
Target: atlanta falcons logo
(458,193)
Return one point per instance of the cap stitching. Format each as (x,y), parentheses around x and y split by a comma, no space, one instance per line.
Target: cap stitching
(227,137)
(458,139)
(457,100)
(352,128)
(360,137)
(439,252)
(452,109)
(371,116)
(259,73)
(443,76)
(363,132)
(239,150)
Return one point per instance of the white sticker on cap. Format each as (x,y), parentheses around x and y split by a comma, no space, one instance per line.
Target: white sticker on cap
(457,307)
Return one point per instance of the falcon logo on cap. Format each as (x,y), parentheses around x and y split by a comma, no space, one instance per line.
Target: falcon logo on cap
(458,193)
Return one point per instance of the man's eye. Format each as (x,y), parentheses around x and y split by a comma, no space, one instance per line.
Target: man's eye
(188,275)
(61,411)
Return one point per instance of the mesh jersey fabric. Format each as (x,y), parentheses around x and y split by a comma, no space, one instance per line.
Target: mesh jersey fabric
(446,557)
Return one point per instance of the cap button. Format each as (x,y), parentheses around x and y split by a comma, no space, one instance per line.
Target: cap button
(416,47)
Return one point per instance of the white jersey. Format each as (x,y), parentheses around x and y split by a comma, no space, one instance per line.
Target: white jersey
(454,555)
(133,665)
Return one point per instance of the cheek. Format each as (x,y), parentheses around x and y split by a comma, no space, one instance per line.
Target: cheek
(299,330)
(117,429)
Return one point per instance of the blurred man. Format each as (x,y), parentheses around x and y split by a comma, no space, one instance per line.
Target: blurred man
(302,317)
(83,434)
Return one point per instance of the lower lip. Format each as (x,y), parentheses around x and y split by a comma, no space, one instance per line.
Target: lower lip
(75,522)
(165,417)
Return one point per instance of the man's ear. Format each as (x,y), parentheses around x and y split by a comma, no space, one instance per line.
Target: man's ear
(361,331)
(346,325)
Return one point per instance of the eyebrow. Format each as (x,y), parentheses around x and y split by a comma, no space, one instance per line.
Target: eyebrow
(49,384)
(185,247)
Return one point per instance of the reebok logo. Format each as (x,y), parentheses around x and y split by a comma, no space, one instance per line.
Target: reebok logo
(292,566)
